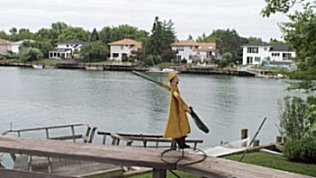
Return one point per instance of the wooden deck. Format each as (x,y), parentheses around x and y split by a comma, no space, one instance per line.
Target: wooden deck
(144,157)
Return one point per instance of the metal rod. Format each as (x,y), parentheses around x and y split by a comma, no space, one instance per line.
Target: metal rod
(254,137)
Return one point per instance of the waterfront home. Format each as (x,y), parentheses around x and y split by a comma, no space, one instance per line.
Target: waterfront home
(259,52)
(67,50)
(122,49)
(15,46)
(5,47)
(190,51)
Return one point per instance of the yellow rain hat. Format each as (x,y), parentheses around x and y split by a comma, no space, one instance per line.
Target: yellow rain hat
(171,75)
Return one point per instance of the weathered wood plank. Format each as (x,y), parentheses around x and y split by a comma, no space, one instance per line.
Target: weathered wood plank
(122,155)
(5,173)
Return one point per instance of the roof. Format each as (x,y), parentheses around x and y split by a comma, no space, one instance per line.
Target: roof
(127,41)
(280,47)
(73,42)
(4,42)
(200,46)
(21,42)
(257,43)
(274,47)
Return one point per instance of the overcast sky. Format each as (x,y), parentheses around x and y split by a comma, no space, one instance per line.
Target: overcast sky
(189,16)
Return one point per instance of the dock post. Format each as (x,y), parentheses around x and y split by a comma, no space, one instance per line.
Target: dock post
(278,139)
(256,143)
(244,135)
(159,173)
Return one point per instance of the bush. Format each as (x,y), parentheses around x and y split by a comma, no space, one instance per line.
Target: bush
(30,54)
(296,117)
(303,150)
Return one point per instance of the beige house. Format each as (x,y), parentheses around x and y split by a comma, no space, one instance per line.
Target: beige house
(194,51)
(5,47)
(123,48)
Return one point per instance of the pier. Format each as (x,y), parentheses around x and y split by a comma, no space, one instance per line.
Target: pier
(134,156)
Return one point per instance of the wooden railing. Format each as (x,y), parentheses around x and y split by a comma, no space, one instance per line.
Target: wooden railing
(87,137)
(144,139)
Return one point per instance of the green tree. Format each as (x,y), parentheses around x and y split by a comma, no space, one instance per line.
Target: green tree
(300,34)
(106,35)
(94,35)
(284,6)
(296,117)
(30,54)
(25,33)
(94,51)
(70,33)
(58,27)
(162,35)
(13,31)
(190,37)
(226,59)
(44,46)
(3,35)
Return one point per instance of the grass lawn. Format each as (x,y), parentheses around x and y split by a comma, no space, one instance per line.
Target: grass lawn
(169,175)
(276,162)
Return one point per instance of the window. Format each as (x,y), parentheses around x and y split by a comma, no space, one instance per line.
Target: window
(252,50)
(180,48)
(286,56)
(257,59)
(115,54)
(249,60)
(276,54)
(122,46)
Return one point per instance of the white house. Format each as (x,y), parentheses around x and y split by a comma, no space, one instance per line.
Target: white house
(66,50)
(5,47)
(123,48)
(194,51)
(259,52)
(15,46)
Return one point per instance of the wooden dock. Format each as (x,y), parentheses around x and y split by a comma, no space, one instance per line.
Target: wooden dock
(133,156)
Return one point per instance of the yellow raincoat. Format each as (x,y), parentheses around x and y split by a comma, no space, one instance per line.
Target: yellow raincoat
(178,124)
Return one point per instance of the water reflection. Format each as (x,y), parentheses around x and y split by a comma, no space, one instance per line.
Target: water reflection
(123,102)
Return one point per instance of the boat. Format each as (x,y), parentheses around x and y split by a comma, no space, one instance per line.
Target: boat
(164,70)
(38,66)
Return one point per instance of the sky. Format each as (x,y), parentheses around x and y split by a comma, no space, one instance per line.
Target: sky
(191,17)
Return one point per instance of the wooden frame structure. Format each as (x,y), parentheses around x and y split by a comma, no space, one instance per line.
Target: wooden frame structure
(136,156)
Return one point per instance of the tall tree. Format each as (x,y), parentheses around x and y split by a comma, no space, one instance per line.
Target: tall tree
(300,33)
(190,37)
(70,33)
(155,42)
(25,33)
(162,35)
(94,35)
(94,51)
(106,35)
(58,27)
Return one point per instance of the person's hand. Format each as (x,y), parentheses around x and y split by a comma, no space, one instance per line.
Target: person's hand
(188,110)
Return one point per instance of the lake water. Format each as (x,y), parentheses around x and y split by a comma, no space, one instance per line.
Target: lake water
(123,102)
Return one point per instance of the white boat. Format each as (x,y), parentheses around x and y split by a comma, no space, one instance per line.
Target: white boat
(164,70)
(38,66)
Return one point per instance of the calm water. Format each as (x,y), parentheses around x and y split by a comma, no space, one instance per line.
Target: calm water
(123,102)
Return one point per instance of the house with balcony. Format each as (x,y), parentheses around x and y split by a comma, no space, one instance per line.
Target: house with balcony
(259,52)
(66,50)
(122,49)
(191,51)
(5,47)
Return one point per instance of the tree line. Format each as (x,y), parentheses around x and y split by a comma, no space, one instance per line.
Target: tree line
(156,43)
(298,115)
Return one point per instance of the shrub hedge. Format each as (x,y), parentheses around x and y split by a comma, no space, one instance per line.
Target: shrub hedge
(303,150)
